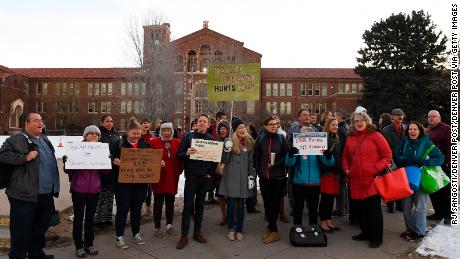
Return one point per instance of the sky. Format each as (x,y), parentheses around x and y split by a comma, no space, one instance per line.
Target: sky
(288,33)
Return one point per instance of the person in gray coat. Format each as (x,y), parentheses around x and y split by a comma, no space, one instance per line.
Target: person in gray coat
(238,159)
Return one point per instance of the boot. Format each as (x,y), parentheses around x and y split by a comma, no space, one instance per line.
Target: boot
(183,241)
(197,236)
(272,237)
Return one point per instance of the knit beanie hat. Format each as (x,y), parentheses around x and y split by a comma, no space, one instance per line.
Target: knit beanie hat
(91,129)
(236,122)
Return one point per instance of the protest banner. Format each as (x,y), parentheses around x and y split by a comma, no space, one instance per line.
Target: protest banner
(234,82)
(87,155)
(207,150)
(140,165)
(311,143)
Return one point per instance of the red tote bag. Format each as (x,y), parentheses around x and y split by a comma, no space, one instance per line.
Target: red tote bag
(393,185)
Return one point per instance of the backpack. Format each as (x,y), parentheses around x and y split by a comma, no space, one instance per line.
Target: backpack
(6,169)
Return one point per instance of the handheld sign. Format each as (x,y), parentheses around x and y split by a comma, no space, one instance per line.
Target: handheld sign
(87,155)
(207,150)
(311,143)
(140,165)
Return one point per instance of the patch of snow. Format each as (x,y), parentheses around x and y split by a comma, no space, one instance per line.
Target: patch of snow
(441,241)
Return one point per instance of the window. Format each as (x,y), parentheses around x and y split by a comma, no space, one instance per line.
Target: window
(92,106)
(73,107)
(40,106)
(360,87)
(354,88)
(42,88)
(303,89)
(129,106)
(109,89)
(341,88)
(71,88)
(179,105)
(347,88)
(323,89)
(58,88)
(136,88)
(123,124)
(289,89)
(316,89)
(60,107)
(123,88)
(288,108)
(275,89)
(310,89)
(282,108)
(136,107)
(268,89)
(282,89)
(198,106)
(178,87)
(90,89)
(129,91)
(106,106)
(275,108)
(77,89)
(64,89)
(250,107)
(143,89)
(268,107)
(123,107)
(96,88)
(103,88)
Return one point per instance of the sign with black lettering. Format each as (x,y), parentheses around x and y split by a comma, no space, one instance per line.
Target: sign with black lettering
(140,165)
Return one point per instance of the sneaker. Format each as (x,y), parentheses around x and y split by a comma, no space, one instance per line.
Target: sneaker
(405,234)
(171,232)
(414,237)
(239,236)
(121,243)
(157,233)
(231,236)
(272,237)
(91,250)
(138,239)
(80,253)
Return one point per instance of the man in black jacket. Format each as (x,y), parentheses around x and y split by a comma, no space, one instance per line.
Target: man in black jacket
(197,176)
(34,181)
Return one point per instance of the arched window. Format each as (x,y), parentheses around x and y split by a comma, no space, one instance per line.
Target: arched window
(204,65)
(219,56)
(179,67)
(191,61)
(205,50)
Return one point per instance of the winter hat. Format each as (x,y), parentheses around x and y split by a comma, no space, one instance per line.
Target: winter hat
(360,109)
(167,125)
(236,122)
(397,112)
(91,129)
(221,124)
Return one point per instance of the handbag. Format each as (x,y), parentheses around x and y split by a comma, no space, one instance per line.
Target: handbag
(433,179)
(414,176)
(309,235)
(393,185)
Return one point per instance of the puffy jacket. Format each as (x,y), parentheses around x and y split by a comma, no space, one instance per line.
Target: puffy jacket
(169,177)
(265,144)
(307,168)
(195,169)
(86,180)
(365,155)
(410,152)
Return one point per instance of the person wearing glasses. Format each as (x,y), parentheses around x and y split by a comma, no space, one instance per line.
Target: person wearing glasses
(365,155)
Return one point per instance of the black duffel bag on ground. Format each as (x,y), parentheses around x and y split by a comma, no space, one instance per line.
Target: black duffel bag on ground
(309,235)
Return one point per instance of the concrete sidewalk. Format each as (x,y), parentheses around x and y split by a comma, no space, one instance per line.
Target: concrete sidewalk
(340,244)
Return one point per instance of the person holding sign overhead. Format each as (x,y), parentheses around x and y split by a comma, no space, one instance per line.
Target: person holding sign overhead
(128,196)
(197,176)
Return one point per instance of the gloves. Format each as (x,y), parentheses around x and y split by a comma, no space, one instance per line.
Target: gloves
(64,159)
(293,150)
(251,182)
(228,144)
(327,153)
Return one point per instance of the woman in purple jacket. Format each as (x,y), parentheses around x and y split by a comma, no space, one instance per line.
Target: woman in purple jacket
(85,187)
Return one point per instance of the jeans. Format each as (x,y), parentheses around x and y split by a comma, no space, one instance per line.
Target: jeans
(239,204)
(272,193)
(310,194)
(158,200)
(325,206)
(194,193)
(370,218)
(129,198)
(414,210)
(80,201)
(29,222)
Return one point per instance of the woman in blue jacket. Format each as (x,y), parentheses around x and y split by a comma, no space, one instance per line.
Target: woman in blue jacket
(306,181)
(410,152)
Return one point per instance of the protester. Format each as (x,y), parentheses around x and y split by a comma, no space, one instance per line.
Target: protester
(271,173)
(224,131)
(104,208)
(283,216)
(147,135)
(306,181)
(193,126)
(384,120)
(330,176)
(394,134)
(129,196)
(314,122)
(34,182)
(326,115)
(197,176)
(365,155)
(410,152)
(166,190)
(440,135)
(85,187)
(252,200)
(280,129)
(238,161)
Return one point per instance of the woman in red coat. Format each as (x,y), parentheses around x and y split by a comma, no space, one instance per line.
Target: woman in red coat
(365,155)
(166,190)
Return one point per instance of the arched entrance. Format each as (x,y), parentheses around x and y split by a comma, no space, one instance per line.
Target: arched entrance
(17,109)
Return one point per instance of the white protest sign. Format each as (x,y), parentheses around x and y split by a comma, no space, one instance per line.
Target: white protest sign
(87,155)
(207,150)
(311,143)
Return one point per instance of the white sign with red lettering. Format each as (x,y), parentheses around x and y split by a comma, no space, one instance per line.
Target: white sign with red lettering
(311,143)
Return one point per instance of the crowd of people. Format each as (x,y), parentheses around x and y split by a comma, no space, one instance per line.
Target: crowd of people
(357,151)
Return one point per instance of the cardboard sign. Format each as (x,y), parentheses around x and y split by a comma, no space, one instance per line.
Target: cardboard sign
(140,165)
(234,82)
(311,143)
(88,155)
(207,150)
